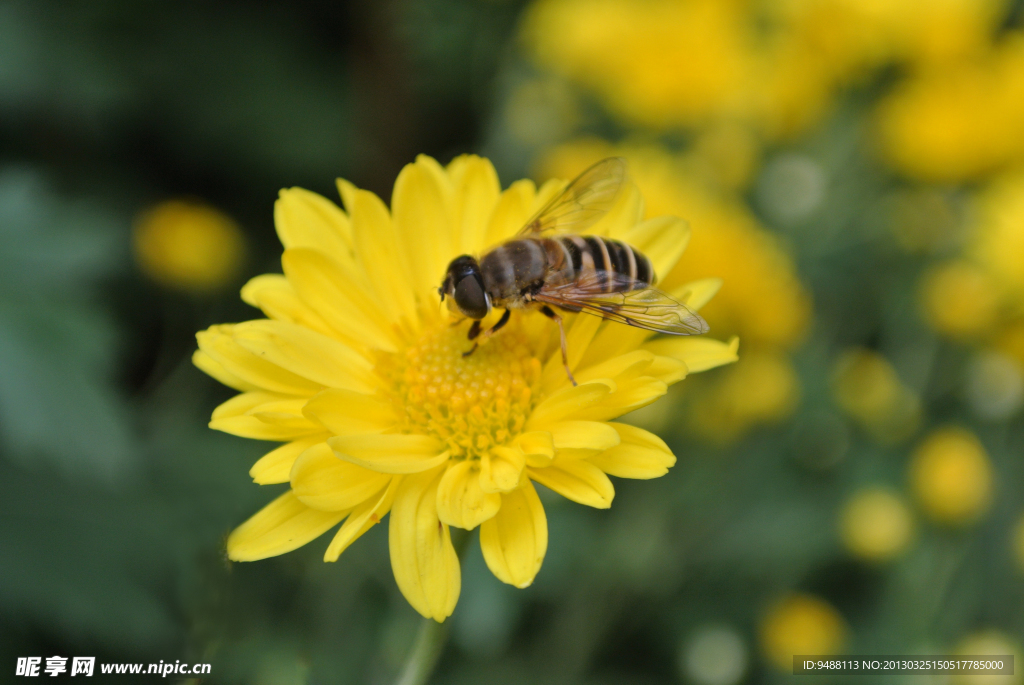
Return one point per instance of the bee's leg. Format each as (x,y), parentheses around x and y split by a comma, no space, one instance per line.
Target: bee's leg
(548,312)
(474,332)
(501,322)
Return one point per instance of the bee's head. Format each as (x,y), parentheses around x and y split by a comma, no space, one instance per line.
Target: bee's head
(465,288)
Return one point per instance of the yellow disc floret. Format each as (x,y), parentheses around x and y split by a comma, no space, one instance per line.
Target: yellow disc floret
(472,403)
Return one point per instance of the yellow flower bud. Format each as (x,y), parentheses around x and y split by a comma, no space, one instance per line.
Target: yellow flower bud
(960,299)
(801,624)
(951,476)
(875,524)
(188,246)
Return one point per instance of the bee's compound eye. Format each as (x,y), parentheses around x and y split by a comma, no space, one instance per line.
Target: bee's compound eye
(470,298)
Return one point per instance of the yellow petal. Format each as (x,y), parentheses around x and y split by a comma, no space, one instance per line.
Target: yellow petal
(347,191)
(276,466)
(363,518)
(515,541)
(342,301)
(501,469)
(629,395)
(538,447)
(662,239)
(255,371)
(619,368)
(696,294)
(639,455)
(476,192)
(627,211)
(423,560)
(612,341)
(667,370)
(281,526)
(378,246)
(547,192)
(567,401)
(460,501)
(423,225)
(322,481)
(344,412)
(577,338)
(511,212)
(577,480)
(305,219)
(308,354)
(699,354)
(582,439)
(282,412)
(242,415)
(213,369)
(390,453)
(275,297)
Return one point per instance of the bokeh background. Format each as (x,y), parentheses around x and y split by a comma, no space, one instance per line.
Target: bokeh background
(853,169)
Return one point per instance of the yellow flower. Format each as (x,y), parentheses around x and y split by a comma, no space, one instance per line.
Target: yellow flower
(358,370)
(661,63)
(875,524)
(997,242)
(867,388)
(188,245)
(955,123)
(960,299)
(951,476)
(801,624)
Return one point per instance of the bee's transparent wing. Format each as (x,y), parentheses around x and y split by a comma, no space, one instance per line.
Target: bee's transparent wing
(583,202)
(609,295)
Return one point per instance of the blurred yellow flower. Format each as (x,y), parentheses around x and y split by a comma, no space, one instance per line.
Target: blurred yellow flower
(875,524)
(801,624)
(958,122)
(188,245)
(855,34)
(661,63)
(997,241)
(761,388)
(960,299)
(687,63)
(951,476)
(991,643)
(867,388)
(361,375)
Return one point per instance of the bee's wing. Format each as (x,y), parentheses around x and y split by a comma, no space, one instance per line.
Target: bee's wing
(583,202)
(595,293)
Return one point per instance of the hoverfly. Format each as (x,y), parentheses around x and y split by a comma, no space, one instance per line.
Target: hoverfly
(548,264)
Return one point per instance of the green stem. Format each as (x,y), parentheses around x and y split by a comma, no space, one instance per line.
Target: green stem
(432,636)
(425,653)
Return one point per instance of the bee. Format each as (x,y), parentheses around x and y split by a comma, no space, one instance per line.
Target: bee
(548,265)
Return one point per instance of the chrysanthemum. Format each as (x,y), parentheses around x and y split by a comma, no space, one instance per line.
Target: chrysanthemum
(360,373)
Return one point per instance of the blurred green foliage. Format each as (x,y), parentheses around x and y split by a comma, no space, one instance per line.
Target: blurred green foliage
(115,499)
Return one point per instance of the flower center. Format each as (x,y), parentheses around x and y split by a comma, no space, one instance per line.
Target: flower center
(471,403)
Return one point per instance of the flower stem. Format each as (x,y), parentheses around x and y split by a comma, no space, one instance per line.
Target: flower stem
(432,636)
(425,653)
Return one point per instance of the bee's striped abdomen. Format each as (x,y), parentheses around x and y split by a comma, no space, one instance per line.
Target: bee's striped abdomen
(588,253)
